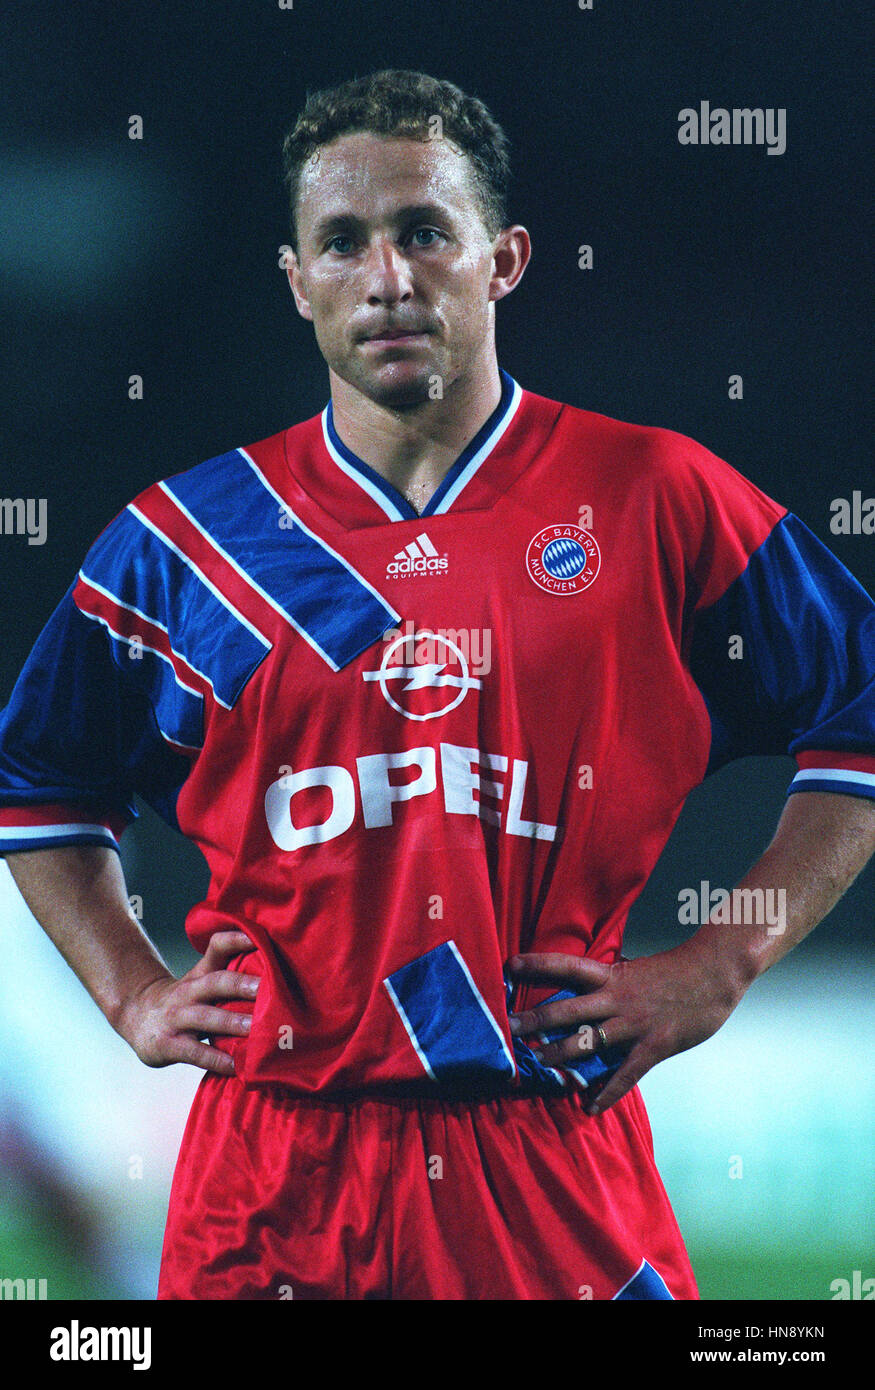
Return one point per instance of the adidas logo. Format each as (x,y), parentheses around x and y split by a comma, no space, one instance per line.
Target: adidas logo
(419,557)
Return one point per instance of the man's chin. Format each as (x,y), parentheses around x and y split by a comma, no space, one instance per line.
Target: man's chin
(396,386)
(400,397)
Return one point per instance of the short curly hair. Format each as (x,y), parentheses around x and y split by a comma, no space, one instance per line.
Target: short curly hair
(397,101)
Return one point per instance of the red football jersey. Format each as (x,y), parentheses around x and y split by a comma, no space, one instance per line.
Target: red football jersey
(411,746)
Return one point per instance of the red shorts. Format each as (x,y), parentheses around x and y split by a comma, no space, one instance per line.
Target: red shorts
(278,1196)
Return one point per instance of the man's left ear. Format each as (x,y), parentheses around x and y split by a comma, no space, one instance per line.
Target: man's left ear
(513,250)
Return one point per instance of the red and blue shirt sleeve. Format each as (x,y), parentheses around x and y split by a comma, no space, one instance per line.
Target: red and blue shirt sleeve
(77,738)
(111,701)
(781,637)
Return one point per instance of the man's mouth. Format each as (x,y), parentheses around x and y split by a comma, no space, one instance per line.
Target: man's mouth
(389,335)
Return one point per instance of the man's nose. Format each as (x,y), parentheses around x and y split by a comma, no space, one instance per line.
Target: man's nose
(388,273)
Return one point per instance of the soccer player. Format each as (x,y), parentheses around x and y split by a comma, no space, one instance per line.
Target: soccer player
(428,678)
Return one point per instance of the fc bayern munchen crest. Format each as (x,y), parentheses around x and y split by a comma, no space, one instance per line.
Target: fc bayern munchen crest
(563,559)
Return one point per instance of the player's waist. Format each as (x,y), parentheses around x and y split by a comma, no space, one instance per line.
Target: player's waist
(411,1093)
(451,1060)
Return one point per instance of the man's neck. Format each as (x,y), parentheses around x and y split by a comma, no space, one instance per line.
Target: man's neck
(414,447)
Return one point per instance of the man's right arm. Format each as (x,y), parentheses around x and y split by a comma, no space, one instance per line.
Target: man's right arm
(79,896)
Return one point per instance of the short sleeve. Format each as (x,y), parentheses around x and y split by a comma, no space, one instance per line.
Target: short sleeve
(107,705)
(782,639)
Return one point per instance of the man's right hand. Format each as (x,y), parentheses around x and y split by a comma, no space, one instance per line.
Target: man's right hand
(166,1019)
(78,895)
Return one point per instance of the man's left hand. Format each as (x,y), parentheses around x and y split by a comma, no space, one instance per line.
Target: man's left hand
(654,1007)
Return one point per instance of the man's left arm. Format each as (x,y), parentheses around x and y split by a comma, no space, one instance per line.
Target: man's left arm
(659,1005)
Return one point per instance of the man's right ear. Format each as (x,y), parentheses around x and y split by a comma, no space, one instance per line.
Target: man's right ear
(293,271)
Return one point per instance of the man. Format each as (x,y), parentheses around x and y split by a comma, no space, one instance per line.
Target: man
(428,678)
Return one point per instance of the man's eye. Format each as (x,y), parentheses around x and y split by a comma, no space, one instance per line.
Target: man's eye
(421,236)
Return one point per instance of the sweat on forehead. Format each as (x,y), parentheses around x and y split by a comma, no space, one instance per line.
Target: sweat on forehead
(361,169)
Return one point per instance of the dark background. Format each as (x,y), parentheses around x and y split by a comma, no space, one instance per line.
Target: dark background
(160,257)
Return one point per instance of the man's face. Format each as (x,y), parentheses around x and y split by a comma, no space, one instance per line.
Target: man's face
(391,242)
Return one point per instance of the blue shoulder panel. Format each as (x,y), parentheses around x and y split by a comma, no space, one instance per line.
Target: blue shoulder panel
(329,603)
